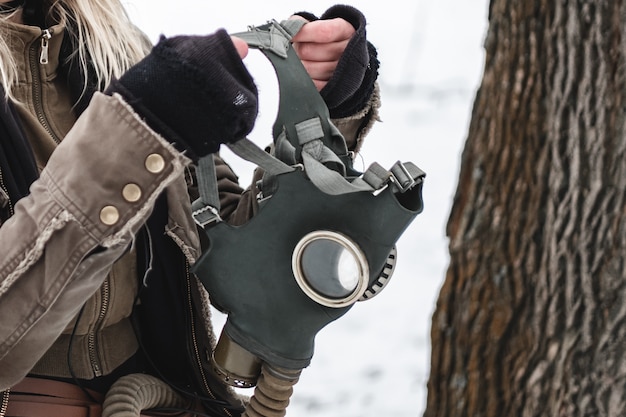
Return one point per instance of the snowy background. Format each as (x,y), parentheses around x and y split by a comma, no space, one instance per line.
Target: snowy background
(375,360)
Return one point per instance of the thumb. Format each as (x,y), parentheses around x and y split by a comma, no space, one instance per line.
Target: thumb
(241,46)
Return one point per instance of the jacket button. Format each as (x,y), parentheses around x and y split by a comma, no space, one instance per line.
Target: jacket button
(155,163)
(131,193)
(109,215)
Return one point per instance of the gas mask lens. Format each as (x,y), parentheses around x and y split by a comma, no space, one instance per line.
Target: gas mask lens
(330,268)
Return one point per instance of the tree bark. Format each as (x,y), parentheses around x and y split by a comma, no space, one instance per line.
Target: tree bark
(531,319)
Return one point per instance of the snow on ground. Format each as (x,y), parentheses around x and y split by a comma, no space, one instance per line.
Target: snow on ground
(375,360)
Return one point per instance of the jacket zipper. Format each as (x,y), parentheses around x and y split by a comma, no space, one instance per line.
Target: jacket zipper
(194,338)
(4,404)
(36,60)
(45,37)
(43,59)
(91,338)
(4,197)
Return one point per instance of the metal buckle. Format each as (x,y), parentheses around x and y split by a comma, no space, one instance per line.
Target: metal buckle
(403,184)
(206,215)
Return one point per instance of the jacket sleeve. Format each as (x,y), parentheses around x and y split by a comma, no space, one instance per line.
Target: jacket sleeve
(81,215)
(356,126)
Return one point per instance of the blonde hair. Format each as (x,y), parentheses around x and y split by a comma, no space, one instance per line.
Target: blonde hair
(101,31)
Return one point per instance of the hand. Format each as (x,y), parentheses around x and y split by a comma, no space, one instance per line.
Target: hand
(338,57)
(194,90)
(320,44)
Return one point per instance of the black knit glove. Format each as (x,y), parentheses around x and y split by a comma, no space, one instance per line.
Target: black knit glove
(193,90)
(351,86)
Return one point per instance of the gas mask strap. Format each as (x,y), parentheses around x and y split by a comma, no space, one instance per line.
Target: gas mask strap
(206,209)
(310,137)
(248,150)
(405,176)
(299,99)
(402,177)
(272,37)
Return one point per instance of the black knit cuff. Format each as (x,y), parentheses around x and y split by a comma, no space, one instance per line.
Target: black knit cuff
(362,96)
(194,90)
(308,16)
(350,88)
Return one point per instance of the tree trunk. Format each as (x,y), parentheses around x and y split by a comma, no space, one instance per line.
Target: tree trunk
(531,319)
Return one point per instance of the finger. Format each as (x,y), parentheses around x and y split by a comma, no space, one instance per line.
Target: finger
(320,51)
(241,46)
(322,71)
(319,84)
(325,31)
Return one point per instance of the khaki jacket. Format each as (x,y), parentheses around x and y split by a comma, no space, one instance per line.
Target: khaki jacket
(77,221)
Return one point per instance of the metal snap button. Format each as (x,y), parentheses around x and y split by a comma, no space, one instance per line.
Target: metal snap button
(155,163)
(109,215)
(131,192)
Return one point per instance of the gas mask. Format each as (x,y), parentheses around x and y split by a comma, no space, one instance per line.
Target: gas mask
(323,237)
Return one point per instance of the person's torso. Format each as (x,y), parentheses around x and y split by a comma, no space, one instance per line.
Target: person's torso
(101,340)
(103,337)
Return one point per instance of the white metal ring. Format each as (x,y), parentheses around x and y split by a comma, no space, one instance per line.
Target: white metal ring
(351,247)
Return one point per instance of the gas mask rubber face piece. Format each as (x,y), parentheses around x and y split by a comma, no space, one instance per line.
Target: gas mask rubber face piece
(320,241)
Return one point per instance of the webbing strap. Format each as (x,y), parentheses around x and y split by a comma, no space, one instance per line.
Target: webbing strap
(206,181)
(205,210)
(374,179)
(405,176)
(248,150)
(376,176)
(309,130)
(273,37)
(401,177)
(299,101)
